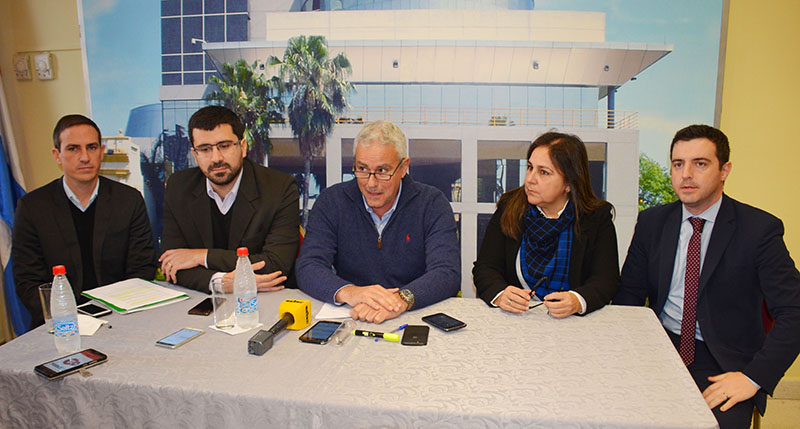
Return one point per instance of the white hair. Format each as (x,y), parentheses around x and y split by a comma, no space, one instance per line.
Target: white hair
(384,133)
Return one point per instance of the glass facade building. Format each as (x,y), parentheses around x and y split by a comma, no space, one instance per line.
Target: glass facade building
(470,82)
(415,4)
(185,25)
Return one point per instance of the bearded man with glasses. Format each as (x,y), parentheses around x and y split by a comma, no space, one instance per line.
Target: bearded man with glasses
(380,243)
(226,202)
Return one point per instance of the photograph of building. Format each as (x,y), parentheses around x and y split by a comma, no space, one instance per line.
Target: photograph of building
(471,83)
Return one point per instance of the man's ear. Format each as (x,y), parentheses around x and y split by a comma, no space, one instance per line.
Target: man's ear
(726,170)
(56,155)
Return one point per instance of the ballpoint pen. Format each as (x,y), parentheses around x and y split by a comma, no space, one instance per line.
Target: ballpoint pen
(401,327)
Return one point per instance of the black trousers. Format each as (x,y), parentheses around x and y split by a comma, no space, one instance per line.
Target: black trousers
(704,366)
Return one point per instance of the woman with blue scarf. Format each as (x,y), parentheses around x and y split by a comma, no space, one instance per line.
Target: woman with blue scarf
(552,235)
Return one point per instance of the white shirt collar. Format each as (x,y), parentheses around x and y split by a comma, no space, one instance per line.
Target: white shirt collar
(74,199)
(225,204)
(558,215)
(709,215)
(388,214)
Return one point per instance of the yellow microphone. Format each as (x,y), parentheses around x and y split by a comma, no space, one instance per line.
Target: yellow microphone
(294,314)
(300,312)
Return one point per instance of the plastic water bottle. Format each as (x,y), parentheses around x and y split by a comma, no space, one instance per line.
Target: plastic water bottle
(64,312)
(246,291)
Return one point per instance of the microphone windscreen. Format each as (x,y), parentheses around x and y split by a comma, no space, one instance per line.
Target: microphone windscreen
(300,309)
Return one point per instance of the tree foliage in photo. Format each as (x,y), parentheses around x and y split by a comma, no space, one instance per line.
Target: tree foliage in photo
(318,89)
(256,100)
(655,184)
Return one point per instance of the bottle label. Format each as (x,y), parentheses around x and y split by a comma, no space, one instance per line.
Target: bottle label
(244,306)
(65,327)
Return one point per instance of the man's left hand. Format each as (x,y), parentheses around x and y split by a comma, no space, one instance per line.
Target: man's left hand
(366,313)
(271,282)
(174,260)
(733,387)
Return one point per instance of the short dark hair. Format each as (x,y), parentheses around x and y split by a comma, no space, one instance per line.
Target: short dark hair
(704,131)
(211,117)
(68,121)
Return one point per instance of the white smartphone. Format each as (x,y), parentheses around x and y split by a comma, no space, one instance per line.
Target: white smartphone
(173,341)
(92,309)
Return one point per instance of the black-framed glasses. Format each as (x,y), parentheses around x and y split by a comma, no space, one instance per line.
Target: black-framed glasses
(384,177)
(223,147)
(533,291)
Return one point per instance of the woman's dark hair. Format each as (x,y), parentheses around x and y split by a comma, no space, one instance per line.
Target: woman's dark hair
(568,154)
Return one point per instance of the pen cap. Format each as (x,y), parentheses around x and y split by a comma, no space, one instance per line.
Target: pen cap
(345,331)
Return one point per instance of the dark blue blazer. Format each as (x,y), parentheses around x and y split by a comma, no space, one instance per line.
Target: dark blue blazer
(746,263)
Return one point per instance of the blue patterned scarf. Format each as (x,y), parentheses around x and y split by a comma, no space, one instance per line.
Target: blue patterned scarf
(546,248)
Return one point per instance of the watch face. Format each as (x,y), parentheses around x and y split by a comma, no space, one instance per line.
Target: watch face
(408,297)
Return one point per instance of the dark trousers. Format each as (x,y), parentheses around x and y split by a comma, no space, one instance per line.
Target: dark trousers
(704,366)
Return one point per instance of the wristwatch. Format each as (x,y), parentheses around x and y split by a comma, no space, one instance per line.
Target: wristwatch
(408,297)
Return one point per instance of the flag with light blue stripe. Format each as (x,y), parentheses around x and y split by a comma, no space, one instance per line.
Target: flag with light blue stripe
(10,192)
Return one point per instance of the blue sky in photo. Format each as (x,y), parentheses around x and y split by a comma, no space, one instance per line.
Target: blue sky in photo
(123,43)
(679,89)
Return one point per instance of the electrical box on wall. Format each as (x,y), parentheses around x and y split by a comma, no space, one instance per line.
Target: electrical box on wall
(22,67)
(44,66)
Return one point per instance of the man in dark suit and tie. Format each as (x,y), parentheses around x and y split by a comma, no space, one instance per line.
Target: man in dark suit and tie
(97,228)
(707,264)
(227,202)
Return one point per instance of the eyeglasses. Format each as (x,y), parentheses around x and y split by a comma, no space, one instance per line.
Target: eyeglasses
(363,173)
(533,291)
(223,147)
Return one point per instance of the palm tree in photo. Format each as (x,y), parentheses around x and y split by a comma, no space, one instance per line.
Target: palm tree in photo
(318,89)
(255,99)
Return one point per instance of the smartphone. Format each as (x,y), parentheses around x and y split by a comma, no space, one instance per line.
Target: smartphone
(415,335)
(69,364)
(173,341)
(205,307)
(321,332)
(93,310)
(444,322)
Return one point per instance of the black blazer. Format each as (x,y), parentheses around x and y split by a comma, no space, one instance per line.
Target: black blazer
(44,235)
(266,219)
(593,265)
(746,263)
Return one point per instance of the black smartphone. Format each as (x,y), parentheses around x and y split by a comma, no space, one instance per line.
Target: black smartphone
(93,310)
(204,307)
(415,335)
(177,339)
(69,364)
(321,332)
(444,322)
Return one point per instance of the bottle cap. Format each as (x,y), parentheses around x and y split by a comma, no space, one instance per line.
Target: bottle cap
(242,251)
(59,269)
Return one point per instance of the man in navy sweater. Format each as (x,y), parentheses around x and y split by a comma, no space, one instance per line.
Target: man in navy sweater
(381,243)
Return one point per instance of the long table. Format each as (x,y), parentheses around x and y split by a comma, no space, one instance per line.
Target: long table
(612,368)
